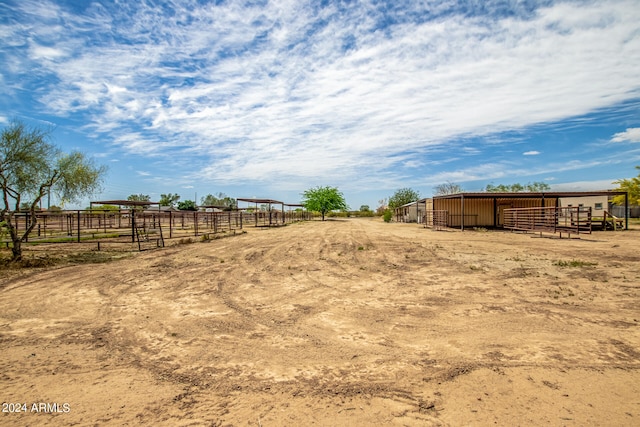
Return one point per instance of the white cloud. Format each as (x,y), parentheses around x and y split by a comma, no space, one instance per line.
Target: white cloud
(45,52)
(606,184)
(531,153)
(630,135)
(268,93)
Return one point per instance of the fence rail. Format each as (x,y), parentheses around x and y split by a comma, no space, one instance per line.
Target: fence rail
(569,220)
(133,226)
(436,219)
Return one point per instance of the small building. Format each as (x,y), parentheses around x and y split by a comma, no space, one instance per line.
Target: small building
(468,210)
(598,204)
(413,212)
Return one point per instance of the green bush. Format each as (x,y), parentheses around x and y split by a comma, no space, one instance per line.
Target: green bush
(387,215)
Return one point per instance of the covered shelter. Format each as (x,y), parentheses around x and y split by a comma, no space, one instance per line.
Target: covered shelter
(413,211)
(267,218)
(297,212)
(488,209)
(268,202)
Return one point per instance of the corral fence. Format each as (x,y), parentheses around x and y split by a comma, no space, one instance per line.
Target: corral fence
(274,217)
(436,219)
(569,220)
(143,229)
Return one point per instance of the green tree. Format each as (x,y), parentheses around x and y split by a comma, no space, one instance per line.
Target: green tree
(538,187)
(500,188)
(31,168)
(535,187)
(323,200)
(111,208)
(632,187)
(169,199)
(187,205)
(402,197)
(365,208)
(220,200)
(139,198)
(25,206)
(447,188)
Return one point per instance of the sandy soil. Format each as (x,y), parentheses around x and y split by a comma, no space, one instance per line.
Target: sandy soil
(346,322)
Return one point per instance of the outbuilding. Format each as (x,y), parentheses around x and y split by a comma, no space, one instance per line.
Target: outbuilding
(468,210)
(413,211)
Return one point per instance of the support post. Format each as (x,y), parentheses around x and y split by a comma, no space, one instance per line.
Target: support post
(495,212)
(170,224)
(133,224)
(626,210)
(462,212)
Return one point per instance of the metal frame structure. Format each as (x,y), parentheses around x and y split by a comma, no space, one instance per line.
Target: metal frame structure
(437,220)
(136,222)
(271,217)
(568,220)
(468,217)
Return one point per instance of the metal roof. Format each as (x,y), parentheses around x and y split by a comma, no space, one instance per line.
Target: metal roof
(270,201)
(413,203)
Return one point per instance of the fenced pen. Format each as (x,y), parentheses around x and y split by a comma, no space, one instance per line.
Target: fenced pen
(143,229)
(568,220)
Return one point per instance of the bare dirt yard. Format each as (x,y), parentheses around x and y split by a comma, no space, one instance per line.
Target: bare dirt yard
(343,322)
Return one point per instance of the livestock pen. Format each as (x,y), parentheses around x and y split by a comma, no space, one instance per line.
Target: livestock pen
(141,225)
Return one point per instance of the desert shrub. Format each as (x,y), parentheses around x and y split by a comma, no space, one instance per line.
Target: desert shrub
(362,214)
(335,214)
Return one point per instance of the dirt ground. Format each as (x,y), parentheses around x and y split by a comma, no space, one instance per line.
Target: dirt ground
(344,322)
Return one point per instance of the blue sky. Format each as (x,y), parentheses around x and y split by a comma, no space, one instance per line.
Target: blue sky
(269,98)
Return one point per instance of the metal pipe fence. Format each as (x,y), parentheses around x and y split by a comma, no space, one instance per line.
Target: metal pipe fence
(136,225)
(569,220)
(436,219)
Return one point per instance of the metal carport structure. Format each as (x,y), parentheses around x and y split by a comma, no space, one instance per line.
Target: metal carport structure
(485,209)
